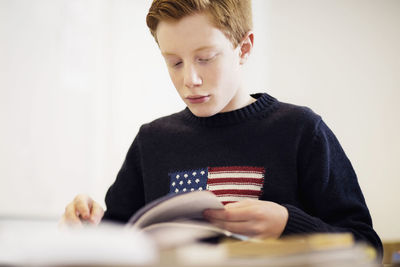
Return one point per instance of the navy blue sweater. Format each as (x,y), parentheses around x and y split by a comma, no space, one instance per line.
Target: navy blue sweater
(305,168)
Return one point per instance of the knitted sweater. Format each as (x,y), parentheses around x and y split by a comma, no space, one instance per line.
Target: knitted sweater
(276,152)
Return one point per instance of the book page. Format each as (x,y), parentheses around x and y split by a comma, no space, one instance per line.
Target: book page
(177,233)
(188,206)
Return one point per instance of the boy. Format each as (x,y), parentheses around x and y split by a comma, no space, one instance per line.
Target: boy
(277,167)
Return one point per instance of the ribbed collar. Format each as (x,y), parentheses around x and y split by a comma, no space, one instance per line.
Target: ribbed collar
(261,107)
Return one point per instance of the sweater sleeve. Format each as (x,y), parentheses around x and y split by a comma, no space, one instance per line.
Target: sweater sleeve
(126,194)
(331,198)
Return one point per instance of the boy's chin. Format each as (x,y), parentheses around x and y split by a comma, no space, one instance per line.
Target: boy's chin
(202,112)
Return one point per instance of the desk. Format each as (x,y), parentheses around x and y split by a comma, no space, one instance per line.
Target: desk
(389,248)
(315,250)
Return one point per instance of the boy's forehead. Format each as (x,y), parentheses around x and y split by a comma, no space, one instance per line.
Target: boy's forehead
(192,33)
(198,49)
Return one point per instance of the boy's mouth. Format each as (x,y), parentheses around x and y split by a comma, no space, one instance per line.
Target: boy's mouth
(198,99)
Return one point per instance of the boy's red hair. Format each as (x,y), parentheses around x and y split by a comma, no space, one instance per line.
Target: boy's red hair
(232,17)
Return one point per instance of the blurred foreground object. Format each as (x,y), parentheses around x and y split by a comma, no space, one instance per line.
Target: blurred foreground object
(43,243)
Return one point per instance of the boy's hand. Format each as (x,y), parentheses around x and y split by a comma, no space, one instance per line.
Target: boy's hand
(250,217)
(82,209)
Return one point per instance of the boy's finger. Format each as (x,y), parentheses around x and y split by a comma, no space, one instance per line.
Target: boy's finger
(97,213)
(239,204)
(83,207)
(243,227)
(213,214)
(69,217)
(234,214)
(70,213)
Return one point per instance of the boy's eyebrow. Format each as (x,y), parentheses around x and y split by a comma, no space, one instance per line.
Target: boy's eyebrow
(204,48)
(196,50)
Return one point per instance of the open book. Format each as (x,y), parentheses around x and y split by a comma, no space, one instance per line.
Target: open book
(177,219)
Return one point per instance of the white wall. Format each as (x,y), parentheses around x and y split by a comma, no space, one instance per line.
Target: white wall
(77,79)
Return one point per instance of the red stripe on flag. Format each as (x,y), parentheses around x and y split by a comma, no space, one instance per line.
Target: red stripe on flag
(236,180)
(237,169)
(230,190)
(234,192)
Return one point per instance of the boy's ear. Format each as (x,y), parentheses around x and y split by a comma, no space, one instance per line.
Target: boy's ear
(246,45)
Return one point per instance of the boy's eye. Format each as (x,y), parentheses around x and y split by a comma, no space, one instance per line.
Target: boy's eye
(174,64)
(206,59)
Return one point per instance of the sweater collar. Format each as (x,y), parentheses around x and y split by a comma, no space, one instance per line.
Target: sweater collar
(262,106)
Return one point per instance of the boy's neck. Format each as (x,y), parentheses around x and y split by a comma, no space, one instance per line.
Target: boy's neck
(242,101)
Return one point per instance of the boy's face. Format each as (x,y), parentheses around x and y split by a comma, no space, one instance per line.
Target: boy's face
(203,65)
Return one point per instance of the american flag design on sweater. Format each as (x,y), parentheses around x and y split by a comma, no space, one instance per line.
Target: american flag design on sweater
(230,184)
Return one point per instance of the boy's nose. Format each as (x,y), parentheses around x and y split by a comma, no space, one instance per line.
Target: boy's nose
(191,77)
